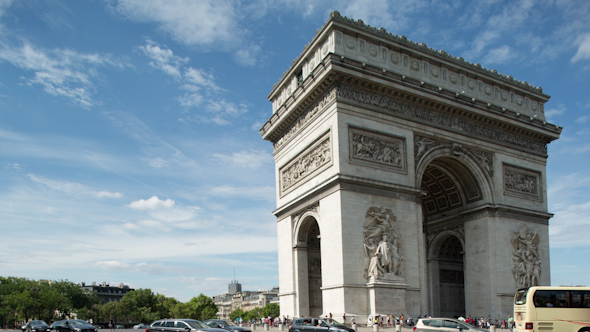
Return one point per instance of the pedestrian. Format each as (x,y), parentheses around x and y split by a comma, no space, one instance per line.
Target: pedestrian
(111,324)
(401,320)
(330,315)
(344,318)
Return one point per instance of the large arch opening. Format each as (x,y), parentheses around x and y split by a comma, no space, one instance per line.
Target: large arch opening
(449,188)
(308,251)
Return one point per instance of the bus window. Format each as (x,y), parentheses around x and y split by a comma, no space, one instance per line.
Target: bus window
(580,299)
(520,297)
(551,298)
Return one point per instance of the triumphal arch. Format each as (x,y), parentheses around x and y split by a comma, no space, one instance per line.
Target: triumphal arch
(408,180)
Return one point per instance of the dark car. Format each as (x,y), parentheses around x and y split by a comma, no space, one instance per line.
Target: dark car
(180,325)
(317,324)
(54,325)
(444,324)
(226,325)
(74,325)
(36,326)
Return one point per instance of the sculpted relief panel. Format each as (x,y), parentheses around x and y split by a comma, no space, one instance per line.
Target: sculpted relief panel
(381,243)
(526,263)
(374,149)
(522,182)
(312,159)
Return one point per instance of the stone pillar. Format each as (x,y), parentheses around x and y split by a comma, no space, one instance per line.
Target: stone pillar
(281,327)
(354,326)
(375,327)
(266,328)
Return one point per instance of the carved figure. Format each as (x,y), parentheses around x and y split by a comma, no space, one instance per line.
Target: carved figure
(381,244)
(526,263)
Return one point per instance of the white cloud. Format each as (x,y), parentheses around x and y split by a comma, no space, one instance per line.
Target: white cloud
(499,55)
(164,59)
(152,203)
(583,52)
(258,192)
(552,112)
(108,194)
(572,220)
(253,159)
(72,188)
(205,24)
(61,72)
(139,267)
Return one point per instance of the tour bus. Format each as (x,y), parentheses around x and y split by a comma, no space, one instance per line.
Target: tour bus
(559,309)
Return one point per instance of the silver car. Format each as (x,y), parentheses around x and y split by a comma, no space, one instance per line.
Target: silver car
(444,324)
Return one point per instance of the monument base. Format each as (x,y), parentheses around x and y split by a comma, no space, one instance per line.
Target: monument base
(387,296)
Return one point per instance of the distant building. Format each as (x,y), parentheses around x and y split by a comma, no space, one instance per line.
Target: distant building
(234,287)
(245,300)
(105,292)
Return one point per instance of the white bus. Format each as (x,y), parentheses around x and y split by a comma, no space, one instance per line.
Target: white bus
(559,309)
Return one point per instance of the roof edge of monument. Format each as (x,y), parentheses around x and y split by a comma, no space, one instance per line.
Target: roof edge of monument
(421,47)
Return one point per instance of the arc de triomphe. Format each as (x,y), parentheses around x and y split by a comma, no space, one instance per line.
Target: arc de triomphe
(408,180)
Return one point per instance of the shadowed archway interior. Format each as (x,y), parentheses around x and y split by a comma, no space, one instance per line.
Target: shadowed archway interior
(448,187)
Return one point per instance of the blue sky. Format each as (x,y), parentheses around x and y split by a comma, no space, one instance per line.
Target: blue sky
(129,143)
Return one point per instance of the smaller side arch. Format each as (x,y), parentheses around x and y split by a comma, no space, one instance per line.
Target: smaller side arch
(302,225)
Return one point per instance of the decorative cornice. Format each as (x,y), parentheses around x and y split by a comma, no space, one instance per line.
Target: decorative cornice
(453,122)
(335,16)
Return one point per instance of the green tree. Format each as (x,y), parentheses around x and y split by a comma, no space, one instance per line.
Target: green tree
(201,307)
(237,313)
(271,309)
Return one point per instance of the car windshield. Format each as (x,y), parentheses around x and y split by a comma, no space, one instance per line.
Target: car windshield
(38,323)
(78,322)
(331,322)
(227,323)
(196,324)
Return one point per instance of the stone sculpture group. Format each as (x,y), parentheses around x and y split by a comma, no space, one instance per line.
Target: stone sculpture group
(526,263)
(381,243)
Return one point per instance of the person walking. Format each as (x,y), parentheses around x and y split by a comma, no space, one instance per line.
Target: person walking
(111,324)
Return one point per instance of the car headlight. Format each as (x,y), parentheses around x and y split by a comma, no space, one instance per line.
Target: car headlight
(77,329)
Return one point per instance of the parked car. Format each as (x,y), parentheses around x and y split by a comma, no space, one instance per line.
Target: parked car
(54,324)
(317,324)
(226,325)
(140,326)
(180,325)
(119,326)
(36,326)
(444,324)
(74,325)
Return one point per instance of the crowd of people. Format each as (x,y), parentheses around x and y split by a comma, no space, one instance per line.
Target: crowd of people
(486,322)
(390,320)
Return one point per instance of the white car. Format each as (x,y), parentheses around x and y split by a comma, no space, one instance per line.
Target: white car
(444,324)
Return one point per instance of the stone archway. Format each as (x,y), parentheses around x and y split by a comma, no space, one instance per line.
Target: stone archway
(308,254)
(451,185)
(447,274)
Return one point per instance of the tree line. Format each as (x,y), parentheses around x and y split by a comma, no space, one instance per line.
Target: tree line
(22,299)
(270,310)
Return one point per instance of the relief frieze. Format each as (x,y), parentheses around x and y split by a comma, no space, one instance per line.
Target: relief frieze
(423,144)
(440,119)
(305,118)
(522,182)
(306,163)
(376,149)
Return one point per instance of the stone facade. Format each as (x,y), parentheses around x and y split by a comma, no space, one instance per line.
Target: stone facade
(246,300)
(408,181)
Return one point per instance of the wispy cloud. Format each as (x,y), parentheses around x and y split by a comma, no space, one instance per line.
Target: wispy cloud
(583,52)
(205,25)
(72,188)
(61,72)
(201,90)
(553,112)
